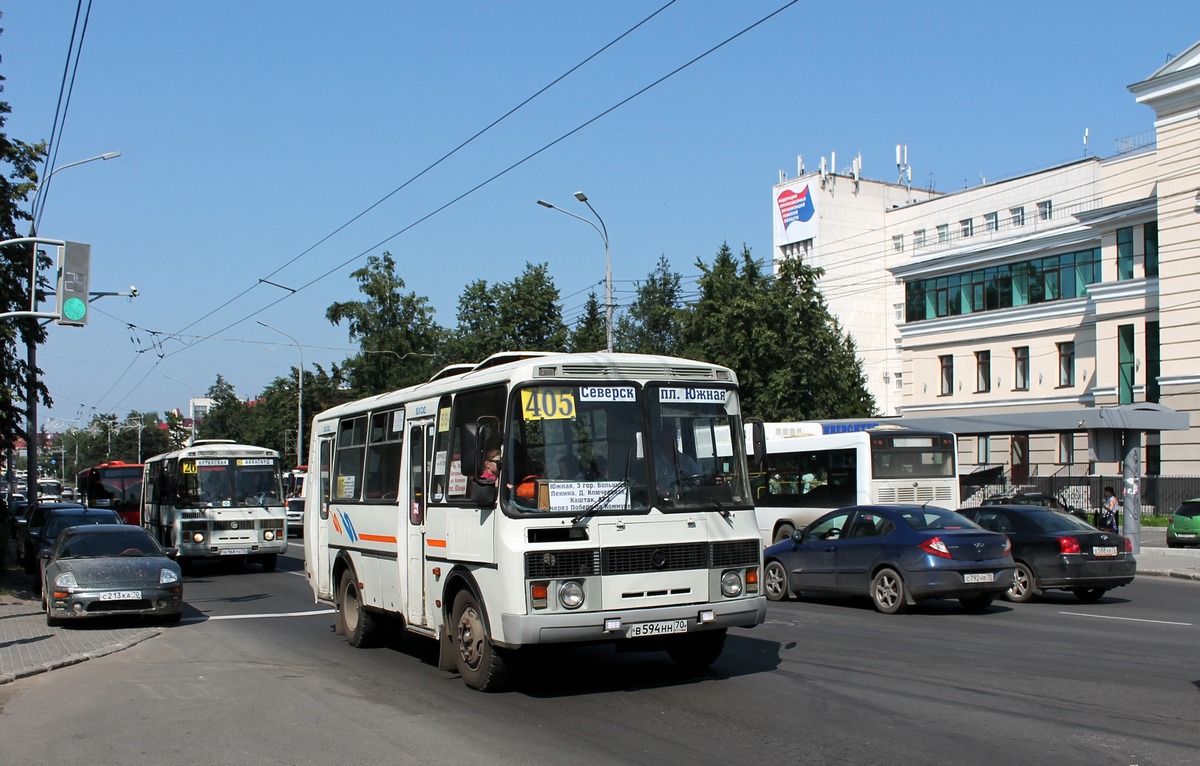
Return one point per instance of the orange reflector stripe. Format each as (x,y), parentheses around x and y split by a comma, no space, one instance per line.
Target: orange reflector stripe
(538,591)
(436,543)
(378,538)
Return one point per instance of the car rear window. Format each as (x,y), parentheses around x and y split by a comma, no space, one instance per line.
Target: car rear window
(937,518)
(1189,509)
(1058,521)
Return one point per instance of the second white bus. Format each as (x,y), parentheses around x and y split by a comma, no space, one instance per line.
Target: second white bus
(813,467)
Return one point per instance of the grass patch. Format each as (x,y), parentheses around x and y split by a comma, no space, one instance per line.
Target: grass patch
(1154,521)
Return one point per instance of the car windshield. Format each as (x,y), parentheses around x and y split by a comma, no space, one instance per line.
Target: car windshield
(936,518)
(135,542)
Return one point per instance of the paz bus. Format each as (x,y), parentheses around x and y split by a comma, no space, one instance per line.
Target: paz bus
(810,468)
(116,485)
(538,498)
(217,499)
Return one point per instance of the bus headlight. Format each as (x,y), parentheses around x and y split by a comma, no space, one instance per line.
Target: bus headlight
(198,537)
(570,594)
(269,535)
(731,584)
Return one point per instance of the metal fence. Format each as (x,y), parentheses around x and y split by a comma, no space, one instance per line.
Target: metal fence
(1160,494)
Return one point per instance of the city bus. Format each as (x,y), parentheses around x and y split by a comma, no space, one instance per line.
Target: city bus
(116,485)
(538,498)
(217,499)
(813,467)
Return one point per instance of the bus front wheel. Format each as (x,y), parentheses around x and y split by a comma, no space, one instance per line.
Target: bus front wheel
(361,627)
(481,664)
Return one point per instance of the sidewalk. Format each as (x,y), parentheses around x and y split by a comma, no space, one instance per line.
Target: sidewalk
(28,646)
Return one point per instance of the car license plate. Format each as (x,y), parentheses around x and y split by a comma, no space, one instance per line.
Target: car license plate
(234,551)
(121,595)
(979,577)
(1106,550)
(657,628)
(1185,535)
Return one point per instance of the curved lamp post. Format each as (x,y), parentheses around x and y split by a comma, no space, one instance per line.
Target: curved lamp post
(602,230)
(299,395)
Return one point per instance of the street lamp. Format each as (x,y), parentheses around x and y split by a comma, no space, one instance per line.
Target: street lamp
(31,343)
(300,394)
(602,230)
(191,404)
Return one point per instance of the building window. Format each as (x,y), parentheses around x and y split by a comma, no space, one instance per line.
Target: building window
(947,364)
(943,232)
(966,227)
(1125,364)
(983,450)
(1066,363)
(983,372)
(1125,253)
(1045,211)
(898,311)
(898,381)
(898,243)
(1016,215)
(991,222)
(1153,361)
(919,238)
(1066,449)
(1150,241)
(1021,368)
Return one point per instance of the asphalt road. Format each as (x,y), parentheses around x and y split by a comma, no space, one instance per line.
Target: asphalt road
(255,675)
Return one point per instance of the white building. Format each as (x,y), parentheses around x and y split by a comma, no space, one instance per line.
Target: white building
(1068,287)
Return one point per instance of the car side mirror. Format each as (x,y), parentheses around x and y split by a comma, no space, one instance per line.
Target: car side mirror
(798,536)
(172,553)
(44,555)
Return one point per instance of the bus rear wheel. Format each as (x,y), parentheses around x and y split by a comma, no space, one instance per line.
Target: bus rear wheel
(361,627)
(481,664)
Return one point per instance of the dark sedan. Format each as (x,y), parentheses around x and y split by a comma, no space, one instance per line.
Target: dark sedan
(896,554)
(56,521)
(1056,550)
(108,569)
(29,533)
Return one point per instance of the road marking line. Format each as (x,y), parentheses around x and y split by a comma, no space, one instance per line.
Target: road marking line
(1127,619)
(258,616)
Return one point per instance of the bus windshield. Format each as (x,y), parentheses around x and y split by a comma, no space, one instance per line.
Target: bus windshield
(583,449)
(229,482)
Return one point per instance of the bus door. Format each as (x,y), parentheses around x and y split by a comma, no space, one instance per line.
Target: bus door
(319,491)
(420,438)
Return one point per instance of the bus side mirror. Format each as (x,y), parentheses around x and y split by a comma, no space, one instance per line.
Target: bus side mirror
(758,441)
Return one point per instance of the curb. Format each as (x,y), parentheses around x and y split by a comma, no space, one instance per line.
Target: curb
(75,659)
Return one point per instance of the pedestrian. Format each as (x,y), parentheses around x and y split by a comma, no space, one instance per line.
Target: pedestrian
(1108,519)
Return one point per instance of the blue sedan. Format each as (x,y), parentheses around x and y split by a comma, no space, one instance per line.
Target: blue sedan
(896,554)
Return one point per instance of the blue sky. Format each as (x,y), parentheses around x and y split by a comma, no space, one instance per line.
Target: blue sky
(250,131)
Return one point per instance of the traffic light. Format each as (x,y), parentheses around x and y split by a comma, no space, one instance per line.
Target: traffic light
(73,269)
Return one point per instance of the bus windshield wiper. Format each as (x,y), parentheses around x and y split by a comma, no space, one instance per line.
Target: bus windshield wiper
(696,483)
(623,484)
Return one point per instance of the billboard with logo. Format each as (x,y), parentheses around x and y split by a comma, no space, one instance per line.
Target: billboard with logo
(795,210)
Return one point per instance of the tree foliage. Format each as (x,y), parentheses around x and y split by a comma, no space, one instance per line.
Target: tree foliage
(655,320)
(589,333)
(396,331)
(18,180)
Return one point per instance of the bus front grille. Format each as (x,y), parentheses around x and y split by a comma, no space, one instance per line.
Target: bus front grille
(554,564)
(640,558)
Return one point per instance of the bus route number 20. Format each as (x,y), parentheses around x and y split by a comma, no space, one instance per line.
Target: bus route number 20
(547,403)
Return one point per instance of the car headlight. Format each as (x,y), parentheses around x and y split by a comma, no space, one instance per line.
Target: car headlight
(570,594)
(731,584)
(166,576)
(198,537)
(66,580)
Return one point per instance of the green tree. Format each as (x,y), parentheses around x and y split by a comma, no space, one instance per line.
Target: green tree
(521,315)
(18,179)
(589,333)
(655,320)
(228,418)
(397,333)
(476,335)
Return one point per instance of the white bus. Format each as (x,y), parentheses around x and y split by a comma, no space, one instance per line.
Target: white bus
(814,467)
(612,514)
(217,499)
